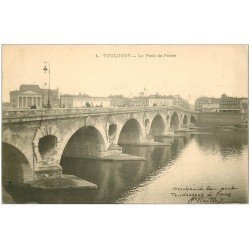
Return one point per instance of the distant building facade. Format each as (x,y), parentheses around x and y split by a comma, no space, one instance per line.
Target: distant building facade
(119,101)
(156,100)
(207,104)
(179,102)
(138,101)
(5,105)
(83,101)
(32,95)
(233,104)
(159,100)
(170,100)
(223,104)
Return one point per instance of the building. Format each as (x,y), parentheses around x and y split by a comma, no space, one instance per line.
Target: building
(223,104)
(119,101)
(176,101)
(244,105)
(66,101)
(5,105)
(138,101)
(179,102)
(83,101)
(207,104)
(158,100)
(233,104)
(212,106)
(32,95)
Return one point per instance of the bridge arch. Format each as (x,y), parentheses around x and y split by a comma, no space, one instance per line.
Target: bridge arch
(174,121)
(85,142)
(193,119)
(158,126)
(130,132)
(16,169)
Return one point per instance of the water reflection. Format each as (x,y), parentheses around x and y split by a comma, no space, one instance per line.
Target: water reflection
(115,178)
(195,159)
(214,162)
(228,143)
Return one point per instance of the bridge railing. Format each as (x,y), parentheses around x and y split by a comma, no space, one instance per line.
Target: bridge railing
(14,113)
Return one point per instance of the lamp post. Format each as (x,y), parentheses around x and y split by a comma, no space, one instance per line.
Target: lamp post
(45,69)
(43,101)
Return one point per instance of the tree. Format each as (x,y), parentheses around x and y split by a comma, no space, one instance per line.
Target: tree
(87,105)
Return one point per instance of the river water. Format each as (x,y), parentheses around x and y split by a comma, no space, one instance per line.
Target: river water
(196,169)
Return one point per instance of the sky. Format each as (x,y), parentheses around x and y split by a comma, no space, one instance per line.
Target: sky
(100,70)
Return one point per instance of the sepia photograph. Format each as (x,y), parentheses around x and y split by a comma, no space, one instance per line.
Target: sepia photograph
(125,124)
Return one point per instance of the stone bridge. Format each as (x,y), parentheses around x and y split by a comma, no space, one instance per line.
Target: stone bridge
(34,141)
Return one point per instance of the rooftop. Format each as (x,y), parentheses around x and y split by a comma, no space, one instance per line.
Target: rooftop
(33,87)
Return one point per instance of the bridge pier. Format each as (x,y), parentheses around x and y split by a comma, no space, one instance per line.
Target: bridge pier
(115,149)
(113,153)
(147,140)
(47,171)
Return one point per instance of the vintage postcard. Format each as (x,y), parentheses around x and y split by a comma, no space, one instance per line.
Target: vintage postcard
(122,124)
